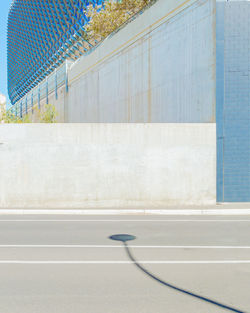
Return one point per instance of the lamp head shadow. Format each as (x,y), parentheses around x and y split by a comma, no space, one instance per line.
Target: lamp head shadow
(122,237)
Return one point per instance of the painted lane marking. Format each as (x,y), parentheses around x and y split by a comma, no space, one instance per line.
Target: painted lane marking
(118,221)
(121,247)
(123,262)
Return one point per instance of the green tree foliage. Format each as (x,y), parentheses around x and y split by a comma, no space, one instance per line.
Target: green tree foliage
(116,12)
(9,118)
(47,115)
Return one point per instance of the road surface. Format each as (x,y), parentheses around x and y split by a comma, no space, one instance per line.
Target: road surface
(68,264)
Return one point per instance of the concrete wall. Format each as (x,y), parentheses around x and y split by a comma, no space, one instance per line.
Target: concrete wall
(107,165)
(159,68)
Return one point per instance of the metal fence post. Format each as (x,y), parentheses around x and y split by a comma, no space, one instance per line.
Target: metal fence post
(56,84)
(66,78)
(21,109)
(47,91)
(39,98)
(26,106)
(32,103)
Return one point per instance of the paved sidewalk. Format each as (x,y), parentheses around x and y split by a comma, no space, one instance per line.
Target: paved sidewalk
(218,209)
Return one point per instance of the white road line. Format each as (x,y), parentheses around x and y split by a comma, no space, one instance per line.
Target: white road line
(122,247)
(124,262)
(119,221)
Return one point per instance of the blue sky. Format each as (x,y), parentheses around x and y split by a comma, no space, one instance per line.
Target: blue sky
(4,9)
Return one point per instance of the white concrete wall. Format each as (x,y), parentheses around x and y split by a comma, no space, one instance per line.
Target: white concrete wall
(107,165)
(158,68)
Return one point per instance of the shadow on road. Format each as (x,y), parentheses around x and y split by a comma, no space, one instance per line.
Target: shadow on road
(125,238)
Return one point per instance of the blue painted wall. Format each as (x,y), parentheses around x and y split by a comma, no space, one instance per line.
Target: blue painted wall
(233,101)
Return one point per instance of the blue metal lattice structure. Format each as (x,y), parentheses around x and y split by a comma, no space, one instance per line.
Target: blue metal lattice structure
(42,34)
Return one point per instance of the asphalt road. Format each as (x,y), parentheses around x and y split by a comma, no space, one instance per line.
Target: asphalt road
(68,264)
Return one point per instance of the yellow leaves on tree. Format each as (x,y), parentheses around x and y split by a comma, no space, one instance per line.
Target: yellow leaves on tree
(104,21)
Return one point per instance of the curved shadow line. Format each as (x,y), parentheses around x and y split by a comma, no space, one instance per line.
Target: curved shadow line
(176,288)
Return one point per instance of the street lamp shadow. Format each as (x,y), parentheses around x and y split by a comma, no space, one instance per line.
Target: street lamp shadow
(124,238)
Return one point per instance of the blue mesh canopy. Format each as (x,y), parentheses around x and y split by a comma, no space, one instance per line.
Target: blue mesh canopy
(41,35)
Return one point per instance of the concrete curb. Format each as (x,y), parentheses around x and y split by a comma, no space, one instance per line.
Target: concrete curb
(126,212)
